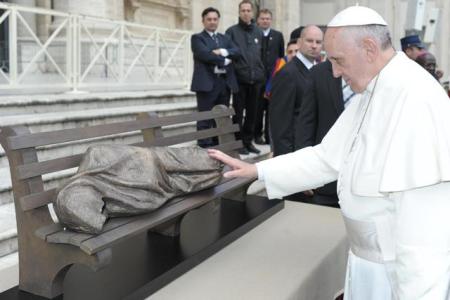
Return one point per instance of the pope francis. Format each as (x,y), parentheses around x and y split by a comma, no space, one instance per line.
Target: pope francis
(390,153)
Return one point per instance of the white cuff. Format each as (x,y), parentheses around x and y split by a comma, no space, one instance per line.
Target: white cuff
(259,169)
(224,52)
(227,62)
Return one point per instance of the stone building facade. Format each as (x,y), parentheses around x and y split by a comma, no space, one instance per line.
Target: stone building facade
(288,14)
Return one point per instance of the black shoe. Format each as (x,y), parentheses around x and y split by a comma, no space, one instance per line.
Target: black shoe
(260,141)
(243,151)
(251,148)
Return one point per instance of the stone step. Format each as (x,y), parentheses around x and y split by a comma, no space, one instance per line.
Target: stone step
(87,117)
(32,104)
(8,229)
(76,119)
(9,271)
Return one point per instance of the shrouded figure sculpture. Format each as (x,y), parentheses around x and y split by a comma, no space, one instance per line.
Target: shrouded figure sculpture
(120,180)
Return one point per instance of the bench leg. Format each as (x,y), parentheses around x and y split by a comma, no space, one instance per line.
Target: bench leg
(171,228)
(43,273)
(238,194)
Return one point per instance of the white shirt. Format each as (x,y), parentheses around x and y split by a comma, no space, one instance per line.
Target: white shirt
(266,31)
(308,64)
(390,152)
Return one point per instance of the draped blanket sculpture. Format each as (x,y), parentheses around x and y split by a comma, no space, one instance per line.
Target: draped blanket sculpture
(121,180)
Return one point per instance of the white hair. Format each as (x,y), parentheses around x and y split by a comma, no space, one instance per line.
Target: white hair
(379,33)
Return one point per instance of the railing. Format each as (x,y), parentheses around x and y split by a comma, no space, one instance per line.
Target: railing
(87,53)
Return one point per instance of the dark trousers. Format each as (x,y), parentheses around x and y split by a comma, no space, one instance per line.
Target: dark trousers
(220,94)
(262,117)
(326,200)
(245,105)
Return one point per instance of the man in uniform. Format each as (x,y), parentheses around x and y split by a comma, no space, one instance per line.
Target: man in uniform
(390,152)
(412,46)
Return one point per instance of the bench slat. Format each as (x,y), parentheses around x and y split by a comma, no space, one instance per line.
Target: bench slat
(36,200)
(76,238)
(145,222)
(47,230)
(74,134)
(55,233)
(58,164)
(228,147)
(192,136)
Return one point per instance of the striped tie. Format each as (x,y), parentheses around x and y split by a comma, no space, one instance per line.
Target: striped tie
(347,93)
(216,39)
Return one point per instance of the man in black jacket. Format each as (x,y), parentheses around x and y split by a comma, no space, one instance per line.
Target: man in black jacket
(272,49)
(322,104)
(249,71)
(287,92)
(213,77)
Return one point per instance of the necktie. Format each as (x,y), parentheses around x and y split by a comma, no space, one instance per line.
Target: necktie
(347,94)
(216,39)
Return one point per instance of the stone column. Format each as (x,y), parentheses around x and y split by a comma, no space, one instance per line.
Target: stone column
(110,9)
(443,39)
(43,22)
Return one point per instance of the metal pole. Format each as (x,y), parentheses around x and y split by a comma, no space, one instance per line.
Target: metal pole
(157,37)
(69,53)
(76,55)
(13,47)
(187,56)
(121,53)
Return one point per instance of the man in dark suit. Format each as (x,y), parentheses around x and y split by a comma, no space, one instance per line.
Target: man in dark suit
(214,76)
(322,104)
(272,49)
(287,92)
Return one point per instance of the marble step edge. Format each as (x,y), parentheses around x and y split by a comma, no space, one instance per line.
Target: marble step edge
(8,234)
(9,271)
(80,115)
(49,99)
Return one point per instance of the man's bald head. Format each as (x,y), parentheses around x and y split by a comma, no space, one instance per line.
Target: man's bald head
(358,53)
(310,42)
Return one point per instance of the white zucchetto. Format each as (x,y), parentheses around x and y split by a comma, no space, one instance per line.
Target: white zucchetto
(357,16)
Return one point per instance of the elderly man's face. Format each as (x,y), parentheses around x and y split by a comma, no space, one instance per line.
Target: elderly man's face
(246,13)
(348,59)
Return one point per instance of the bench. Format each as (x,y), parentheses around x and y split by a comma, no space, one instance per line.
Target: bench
(46,249)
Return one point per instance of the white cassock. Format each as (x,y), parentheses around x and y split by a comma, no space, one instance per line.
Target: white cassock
(390,152)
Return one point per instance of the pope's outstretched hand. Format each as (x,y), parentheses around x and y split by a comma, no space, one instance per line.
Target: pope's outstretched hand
(239,168)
